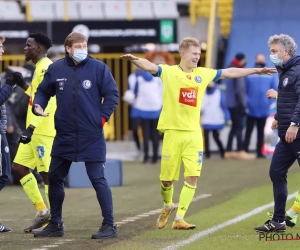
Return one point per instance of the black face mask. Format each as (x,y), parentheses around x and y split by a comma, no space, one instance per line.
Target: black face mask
(260,65)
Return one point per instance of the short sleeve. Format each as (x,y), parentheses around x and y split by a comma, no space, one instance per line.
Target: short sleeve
(159,71)
(162,69)
(218,75)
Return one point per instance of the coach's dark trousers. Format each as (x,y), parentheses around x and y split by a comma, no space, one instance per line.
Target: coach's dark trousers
(284,156)
(58,171)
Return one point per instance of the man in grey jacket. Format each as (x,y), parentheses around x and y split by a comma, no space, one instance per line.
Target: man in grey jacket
(236,103)
(5,163)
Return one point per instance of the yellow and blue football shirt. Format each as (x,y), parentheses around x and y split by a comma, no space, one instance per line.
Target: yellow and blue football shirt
(182,96)
(44,125)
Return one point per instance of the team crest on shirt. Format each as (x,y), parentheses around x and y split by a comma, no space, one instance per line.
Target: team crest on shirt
(198,79)
(61,85)
(87,84)
(41,151)
(285,82)
(43,72)
(200,157)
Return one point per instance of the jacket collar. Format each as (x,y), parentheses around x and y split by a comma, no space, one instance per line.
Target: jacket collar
(70,61)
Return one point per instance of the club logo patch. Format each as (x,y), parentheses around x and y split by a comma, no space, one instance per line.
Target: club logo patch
(61,85)
(41,151)
(200,157)
(285,82)
(87,84)
(188,96)
(198,79)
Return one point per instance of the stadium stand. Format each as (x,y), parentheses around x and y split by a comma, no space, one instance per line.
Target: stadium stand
(252,26)
(42,10)
(115,10)
(141,10)
(10,10)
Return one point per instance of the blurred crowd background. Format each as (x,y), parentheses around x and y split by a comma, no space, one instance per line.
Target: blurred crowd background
(233,33)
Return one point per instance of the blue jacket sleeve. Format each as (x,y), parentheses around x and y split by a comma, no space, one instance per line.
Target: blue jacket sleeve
(5,93)
(45,90)
(224,107)
(109,91)
(296,115)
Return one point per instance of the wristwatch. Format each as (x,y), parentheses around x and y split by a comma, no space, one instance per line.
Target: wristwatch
(295,124)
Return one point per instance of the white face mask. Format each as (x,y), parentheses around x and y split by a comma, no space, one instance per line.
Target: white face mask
(79,55)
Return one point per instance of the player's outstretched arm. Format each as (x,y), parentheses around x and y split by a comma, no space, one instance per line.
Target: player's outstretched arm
(142,63)
(238,72)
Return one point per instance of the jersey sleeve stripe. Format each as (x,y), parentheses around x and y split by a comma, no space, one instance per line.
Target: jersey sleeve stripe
(158,72)
(218,75)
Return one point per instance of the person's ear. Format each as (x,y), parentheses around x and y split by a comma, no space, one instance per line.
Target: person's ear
(182,54)
(68,49)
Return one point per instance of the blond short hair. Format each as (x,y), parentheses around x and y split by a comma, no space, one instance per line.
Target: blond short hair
(188,42)
(2,39)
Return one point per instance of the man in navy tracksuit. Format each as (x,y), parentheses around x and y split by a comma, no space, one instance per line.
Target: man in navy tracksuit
(287,120)
(79,83)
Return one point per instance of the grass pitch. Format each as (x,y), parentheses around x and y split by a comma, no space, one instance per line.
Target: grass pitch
(236,187)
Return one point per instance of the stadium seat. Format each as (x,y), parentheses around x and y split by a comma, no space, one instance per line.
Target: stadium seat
(165,9)
(91,10)
(115,10)
(78,177)
(42,10)
(141,10)
(72,7)
(11,11)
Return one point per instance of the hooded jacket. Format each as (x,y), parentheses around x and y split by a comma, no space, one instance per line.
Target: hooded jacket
(214,112)
(288,99)
(85,93)
(5,93)
(148,91)
(235,95)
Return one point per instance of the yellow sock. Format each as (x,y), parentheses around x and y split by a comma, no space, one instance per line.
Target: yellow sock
(167,194)
(47,194)
(30,187)
(185,199)
(296,205)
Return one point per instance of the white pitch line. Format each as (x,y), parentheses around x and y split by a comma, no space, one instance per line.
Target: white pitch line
(16,219)
(55,244)
(156,211)
(213,229)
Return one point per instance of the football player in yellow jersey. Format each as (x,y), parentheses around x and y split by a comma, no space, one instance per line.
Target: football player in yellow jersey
(184,87)
(36,141)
